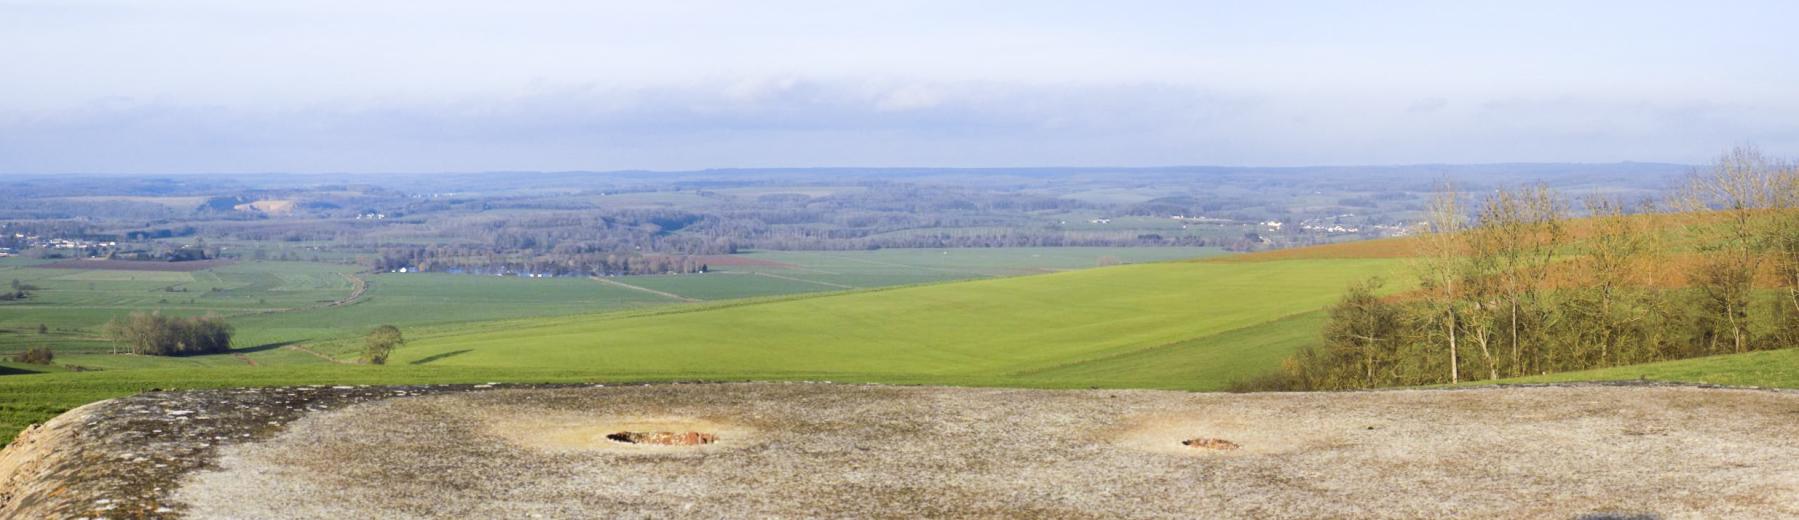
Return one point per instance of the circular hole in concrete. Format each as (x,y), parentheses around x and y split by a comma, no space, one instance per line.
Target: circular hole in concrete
(664,438)
(1207,443)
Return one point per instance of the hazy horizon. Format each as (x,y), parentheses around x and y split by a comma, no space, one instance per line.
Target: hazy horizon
(900,168)
(205,86)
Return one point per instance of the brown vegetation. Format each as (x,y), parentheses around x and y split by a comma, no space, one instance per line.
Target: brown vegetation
(1514,293)
(1403,247)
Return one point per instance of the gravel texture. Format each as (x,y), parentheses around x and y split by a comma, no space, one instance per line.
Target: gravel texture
(121,458)
(816,450)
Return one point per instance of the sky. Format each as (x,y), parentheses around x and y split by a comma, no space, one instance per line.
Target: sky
(233,86)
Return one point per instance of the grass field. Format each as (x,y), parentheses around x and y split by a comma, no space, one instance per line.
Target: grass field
(1077,328)
(73,303)
(1193,325)
(1168,325)
(1772,368)
(793,272)
(274,302)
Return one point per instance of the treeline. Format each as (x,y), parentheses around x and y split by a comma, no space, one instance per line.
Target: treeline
(964,239)
(453,259)
(869,216)
(153,334)
(1521,289)
(649,231)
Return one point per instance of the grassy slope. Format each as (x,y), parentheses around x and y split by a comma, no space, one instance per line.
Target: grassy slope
(1774,368)
(282,302)
(418,299)
(1193,325)
(1001,328)
(1204,363)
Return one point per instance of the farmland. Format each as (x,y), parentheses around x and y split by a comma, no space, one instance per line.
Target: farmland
(1064,329)
(1092,327)
(893,316)
(279,303)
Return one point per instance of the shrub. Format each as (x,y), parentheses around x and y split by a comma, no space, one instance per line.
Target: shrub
(35,356)
(381,342)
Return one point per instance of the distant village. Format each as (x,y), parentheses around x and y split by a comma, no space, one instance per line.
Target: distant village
(55,247)
(1332,225)
(18,242)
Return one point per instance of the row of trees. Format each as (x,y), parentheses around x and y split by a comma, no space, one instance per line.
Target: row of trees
(1522,289)
(474,260)
(151,333)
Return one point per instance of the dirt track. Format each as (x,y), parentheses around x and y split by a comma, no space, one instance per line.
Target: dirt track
(807,450)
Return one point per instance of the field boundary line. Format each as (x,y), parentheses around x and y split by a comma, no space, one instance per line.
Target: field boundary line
(664,294)
(914,267)
(826,284)
(315,353)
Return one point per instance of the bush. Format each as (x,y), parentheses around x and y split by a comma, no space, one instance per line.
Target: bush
(35,356)
(381,342)
(156,335)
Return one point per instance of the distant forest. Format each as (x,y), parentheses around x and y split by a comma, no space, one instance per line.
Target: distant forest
(652,223)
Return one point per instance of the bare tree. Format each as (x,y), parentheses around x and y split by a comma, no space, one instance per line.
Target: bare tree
(1725,204)
(1782,239)
(1439,265)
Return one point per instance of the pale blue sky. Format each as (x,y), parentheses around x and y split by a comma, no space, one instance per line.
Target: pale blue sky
(171,86)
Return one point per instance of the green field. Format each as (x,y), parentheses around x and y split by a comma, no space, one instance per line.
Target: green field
(273,303)
(1772,368)
(1192,325)
(1080,328)
(779,273)
(73,303)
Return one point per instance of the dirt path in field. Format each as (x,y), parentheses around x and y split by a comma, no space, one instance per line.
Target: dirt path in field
(314,353)
(244,358)
(609,281)
(358,286)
